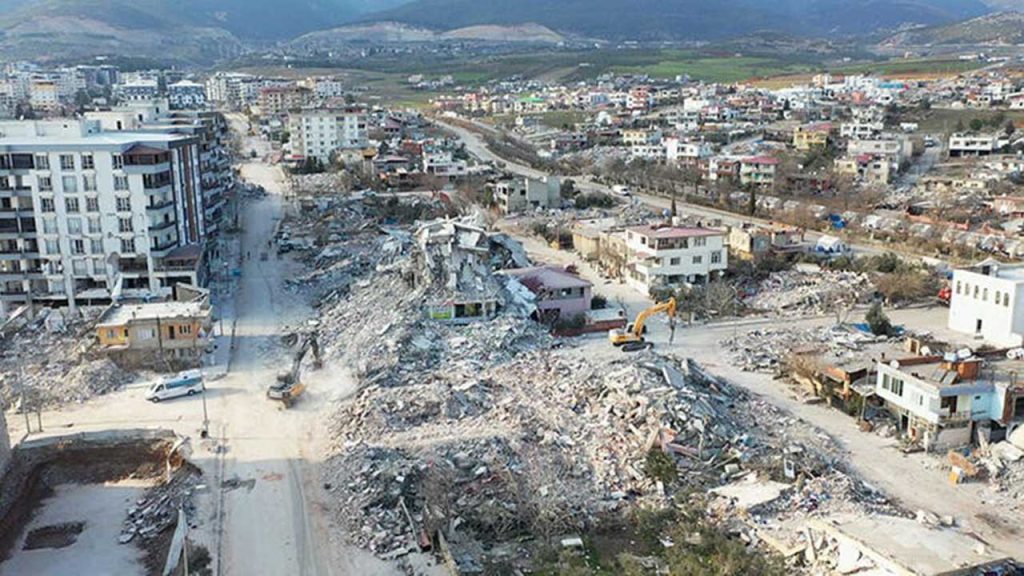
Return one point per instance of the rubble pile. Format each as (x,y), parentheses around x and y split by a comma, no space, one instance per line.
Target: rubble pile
(48,362)
(326,183)
(157,511)
(807,293)
(763,350)
(552,431)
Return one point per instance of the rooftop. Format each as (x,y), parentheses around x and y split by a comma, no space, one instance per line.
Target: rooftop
(550,277)
(125,313)
(674,232)
(97,139)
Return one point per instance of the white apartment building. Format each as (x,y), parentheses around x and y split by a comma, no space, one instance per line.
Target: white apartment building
(186,95)
(973,144)
(87,215)
(322,132)
(687,152)
(524,193)
(443,164)
(672,256)
(860,130)
(988,301)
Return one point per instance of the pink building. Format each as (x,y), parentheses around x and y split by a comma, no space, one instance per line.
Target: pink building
(560,294)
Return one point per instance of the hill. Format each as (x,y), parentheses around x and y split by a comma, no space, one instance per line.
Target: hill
(1004,28)
(396,32)
(687,19)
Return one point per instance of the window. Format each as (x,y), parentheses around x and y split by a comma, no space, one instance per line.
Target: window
(975,291)
(700,241)
(698,259)
(716,257)
(87,162)
(99,267)
(46,205)
(49,225)
(79,268)
(128,245)
(96,246)
(74,225)
(89,182)
(120,183)
(124,204)
(124,224)
(42,162)
(45,183)
(185,329)
(999,297)
(1006,299)
(897,386)
(71,205)
(676,261)
(70,184)
(94,225)
(92,204)
(984,295)
(78,246)
(67,162)
(118,161)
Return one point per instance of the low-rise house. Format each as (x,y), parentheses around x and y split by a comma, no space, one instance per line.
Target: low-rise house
(988,301)
(759,170)
(973,145)
(811,136)
(560,294)
(947,402)
(525,193)
(139,333)
(868,168)
(671,256)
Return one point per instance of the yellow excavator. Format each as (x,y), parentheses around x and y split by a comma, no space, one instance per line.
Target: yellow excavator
(289,386)
(631,338)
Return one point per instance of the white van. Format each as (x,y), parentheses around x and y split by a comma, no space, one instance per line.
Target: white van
(184,383)
(622,190)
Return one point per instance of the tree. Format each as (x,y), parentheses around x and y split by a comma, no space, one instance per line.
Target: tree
(904,285)
(959,125)
(568,189)
(752,201)
(976,124)
(877,321)
(1010,128)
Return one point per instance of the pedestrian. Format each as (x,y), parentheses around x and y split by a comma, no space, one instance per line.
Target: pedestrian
(248,255)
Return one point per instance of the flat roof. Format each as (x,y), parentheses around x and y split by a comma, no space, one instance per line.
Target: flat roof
(96,139)
(550,277)
(908,545)
(125,313)
(674,231)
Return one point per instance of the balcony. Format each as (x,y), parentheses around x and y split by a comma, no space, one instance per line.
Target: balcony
(21,192)
(162,225)
(160,205)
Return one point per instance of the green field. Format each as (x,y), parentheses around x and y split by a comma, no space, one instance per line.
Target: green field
(913,66)
(714,68)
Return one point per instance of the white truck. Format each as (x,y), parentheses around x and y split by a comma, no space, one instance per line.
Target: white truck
(185,383)
(622,190)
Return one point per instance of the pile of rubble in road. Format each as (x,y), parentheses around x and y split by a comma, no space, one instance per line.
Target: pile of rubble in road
(47,361)
(810,292)
(763,350)
(326,183)
(1004,464)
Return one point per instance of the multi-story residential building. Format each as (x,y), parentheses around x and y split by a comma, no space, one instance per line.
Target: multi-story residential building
(44,95)
(861,130)
(973,144)
(866,168)
(185,95)
(759,170)
(323,132)
(442,164)
(274,100)
(987,300)
(947,403)
(661,256)
(525,193)
(87,215)
(811,136)
(686,152)
(895,149)
(143,90)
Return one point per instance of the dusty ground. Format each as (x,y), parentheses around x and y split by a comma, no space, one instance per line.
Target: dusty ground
(101,507)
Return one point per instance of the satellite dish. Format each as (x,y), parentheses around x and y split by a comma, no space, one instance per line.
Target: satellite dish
(895,364)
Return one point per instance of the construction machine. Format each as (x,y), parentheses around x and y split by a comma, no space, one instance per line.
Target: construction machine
(631,338)
(289,386)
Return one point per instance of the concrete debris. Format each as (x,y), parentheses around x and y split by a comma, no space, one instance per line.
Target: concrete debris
(158,509)
(49,362)
(763,350)
(806,293)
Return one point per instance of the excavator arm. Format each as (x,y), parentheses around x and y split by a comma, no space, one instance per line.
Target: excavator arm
(668,307)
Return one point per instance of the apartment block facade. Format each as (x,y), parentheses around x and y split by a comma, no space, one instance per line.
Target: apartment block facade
(87,215)
(672,256)
(323,132)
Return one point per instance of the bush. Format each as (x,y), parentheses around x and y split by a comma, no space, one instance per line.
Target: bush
(877,321)
(594,200)
(598,302)
(660,466)
(574,322)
